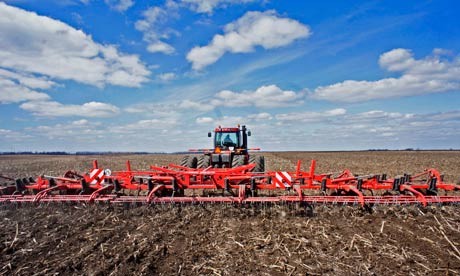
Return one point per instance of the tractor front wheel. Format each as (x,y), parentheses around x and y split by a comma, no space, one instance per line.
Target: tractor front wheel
(238,161)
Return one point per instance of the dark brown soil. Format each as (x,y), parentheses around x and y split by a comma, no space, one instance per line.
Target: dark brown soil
(223,240)
(226,240)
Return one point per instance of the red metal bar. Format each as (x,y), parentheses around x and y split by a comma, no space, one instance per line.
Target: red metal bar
(240,178)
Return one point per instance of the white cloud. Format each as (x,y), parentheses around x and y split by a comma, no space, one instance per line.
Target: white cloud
(119,5)
(382,129)
(34,44)
(12,92)
(229,121)
(234,120)
(269,96)
(81,122)
(260,116)
(265,96)
(204,120)
(157,110)
(429,75)
(200,106)
(27,80)
(76,131)
(152,25)
(55,109)
(311,116)
(157,125)
(373,115)
(169,110)
(265,29)
(158,46)
(207,6)
(167,76)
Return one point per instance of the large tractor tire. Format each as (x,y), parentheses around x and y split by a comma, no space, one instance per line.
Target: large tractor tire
(238,161)
(259,160)
(189,161)
(203,162)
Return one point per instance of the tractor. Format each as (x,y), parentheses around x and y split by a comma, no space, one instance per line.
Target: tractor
(230,151)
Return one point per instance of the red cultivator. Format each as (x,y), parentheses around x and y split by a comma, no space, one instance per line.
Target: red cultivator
(240,185)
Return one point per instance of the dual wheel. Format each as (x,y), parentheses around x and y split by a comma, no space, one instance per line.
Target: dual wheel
(194,162)
(204,161)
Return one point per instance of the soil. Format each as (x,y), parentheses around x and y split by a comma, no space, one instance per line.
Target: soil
(230,240)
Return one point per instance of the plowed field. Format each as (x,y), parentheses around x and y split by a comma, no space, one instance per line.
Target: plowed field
(226,240)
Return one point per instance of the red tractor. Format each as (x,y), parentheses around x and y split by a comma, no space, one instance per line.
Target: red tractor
(230,151)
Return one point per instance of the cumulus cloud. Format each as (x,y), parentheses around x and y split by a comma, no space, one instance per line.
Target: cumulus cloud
(260,116)
(161,125)
(264,29)
(120,5)
(30,81)
(152,25)
(200,106)
(165,77)
(55,109)
(266,96)
(78,130)
(382,129)
(17,88)
(208,6)
(431,74)
(311,116)
(374,115)
(234,120)
(204,120)
(39,45)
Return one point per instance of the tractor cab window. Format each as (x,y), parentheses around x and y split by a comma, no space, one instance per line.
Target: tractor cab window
(227,139)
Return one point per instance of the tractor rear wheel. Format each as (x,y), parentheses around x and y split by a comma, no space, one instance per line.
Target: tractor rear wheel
(203,162)
(238,161)
(189,162)
(259,160)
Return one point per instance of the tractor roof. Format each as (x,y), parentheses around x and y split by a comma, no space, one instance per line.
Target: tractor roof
(226,129)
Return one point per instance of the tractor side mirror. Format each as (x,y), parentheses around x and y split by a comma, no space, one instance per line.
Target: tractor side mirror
(209,134)
(249,133)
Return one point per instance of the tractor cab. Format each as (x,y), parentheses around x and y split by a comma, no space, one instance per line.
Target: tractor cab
(227,139)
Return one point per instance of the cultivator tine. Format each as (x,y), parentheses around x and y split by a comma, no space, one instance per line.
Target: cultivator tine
(20,187)
(432,188)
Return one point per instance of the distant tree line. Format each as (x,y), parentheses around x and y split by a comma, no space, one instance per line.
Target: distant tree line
(178,152)
(74,153)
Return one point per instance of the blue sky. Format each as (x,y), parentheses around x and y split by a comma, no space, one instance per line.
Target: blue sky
(127,75)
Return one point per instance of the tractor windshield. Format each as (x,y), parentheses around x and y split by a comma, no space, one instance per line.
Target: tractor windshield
(227,139)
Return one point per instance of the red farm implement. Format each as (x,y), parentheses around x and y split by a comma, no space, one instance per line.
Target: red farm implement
(239,185)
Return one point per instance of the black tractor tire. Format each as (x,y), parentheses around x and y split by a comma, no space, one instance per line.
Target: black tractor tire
(259,160)
(203,162)
(189,161)
(238,161)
